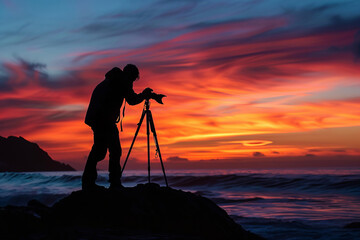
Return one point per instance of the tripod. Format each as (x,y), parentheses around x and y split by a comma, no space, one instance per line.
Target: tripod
(149,126)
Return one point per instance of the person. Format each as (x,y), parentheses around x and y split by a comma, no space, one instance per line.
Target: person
(102,115)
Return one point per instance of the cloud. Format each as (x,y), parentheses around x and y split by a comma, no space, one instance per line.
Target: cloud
(14,123)
(254,143)
(137,22)
(356,46)
(340,150)
(272,61)
(315,150)
(261,72)
(258,154)
(226,79)
(32,66)
(177,159)
(310,155)
(26,83)
(269,162)
(62,116)
(24,103)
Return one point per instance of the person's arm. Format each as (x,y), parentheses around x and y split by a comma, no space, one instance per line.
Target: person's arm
(133,98)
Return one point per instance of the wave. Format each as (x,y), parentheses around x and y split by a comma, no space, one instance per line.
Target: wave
(220,200)
(278,182)
(343,183)
(37,178)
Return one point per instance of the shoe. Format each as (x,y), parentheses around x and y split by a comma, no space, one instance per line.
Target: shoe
(116,186)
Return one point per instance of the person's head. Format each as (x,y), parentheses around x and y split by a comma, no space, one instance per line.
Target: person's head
(131,72)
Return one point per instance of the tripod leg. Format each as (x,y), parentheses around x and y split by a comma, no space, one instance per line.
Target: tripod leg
(132,144)
(148,140)
(152,125)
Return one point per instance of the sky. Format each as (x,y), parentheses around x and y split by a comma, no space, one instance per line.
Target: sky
(250,83)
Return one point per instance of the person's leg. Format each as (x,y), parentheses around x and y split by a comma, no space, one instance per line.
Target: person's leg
(114,157)
(97,153)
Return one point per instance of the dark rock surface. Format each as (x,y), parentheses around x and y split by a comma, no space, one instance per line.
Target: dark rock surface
(142,212)
(19,155)
(353,225)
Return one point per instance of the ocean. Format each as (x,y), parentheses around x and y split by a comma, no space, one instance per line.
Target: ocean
(277,204)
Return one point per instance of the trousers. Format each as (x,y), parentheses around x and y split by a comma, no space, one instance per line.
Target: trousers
(105,138)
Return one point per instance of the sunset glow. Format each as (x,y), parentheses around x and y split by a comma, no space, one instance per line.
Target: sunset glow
(239,83)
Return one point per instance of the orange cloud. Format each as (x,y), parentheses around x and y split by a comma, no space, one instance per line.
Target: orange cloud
(253,143)
(223,83)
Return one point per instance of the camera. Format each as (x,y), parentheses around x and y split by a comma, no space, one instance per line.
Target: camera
(149,94)
(157,97)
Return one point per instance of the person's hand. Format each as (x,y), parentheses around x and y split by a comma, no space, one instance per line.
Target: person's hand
(147,93)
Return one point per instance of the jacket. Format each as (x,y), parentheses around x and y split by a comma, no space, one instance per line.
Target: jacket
(107,98)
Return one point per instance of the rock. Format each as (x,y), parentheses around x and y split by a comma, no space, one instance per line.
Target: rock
(142,212)
(353,225)
(37,208)
(148,209)
(19,155)
(18,223)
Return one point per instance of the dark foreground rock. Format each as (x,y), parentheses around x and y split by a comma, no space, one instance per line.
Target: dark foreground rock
(142,212)
(353,225)
(19,155)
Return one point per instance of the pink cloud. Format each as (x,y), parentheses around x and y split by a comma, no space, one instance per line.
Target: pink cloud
(216,80)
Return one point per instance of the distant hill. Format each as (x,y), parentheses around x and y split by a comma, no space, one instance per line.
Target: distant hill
(19,155)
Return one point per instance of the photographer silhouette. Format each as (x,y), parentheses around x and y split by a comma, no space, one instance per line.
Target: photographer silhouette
(102,115)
